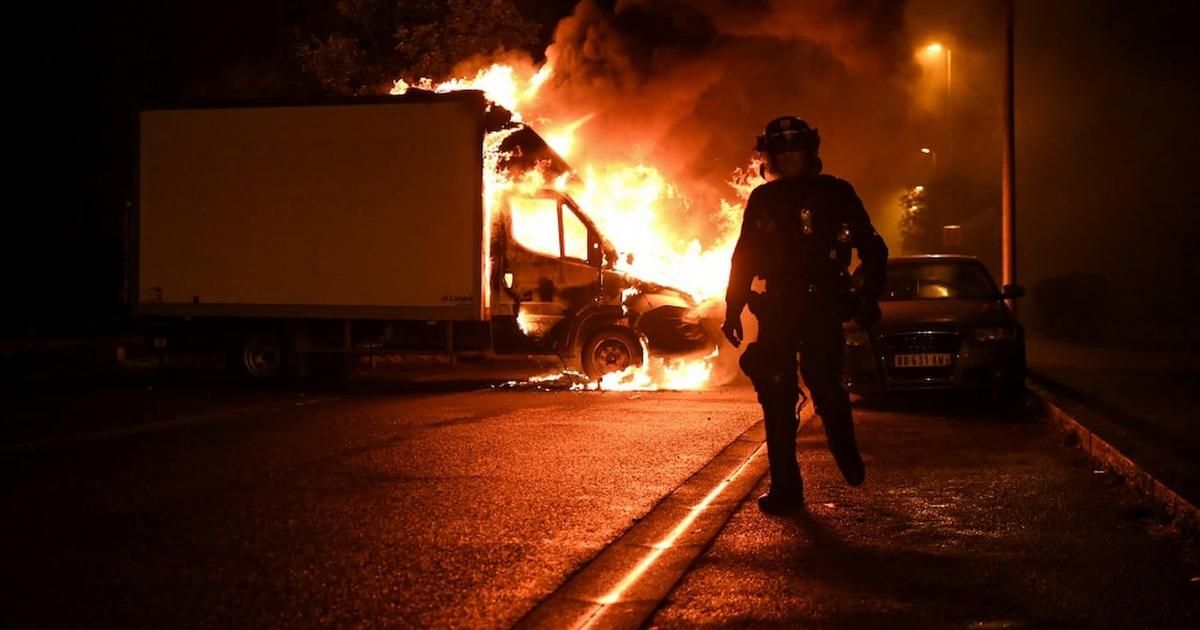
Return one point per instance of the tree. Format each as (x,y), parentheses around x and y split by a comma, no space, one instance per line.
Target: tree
(914,219)
(376,42)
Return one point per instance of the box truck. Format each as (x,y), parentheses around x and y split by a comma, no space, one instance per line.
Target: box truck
(298,236)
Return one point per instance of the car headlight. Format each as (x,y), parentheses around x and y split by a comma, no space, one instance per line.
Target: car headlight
(857,338)
(992,334)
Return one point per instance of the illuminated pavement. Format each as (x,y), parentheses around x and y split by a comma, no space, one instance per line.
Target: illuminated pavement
(452,509)
(967,520)
(470,509)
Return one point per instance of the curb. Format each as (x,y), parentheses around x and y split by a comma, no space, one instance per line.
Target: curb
(1181,512)
(623,585)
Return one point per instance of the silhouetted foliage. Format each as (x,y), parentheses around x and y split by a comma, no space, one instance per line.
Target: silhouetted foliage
(379,41)
(913,218)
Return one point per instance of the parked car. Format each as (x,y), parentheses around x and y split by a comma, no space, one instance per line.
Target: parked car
(945,326)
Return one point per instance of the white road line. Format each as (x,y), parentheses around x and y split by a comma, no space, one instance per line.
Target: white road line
(657,550)
(614,595)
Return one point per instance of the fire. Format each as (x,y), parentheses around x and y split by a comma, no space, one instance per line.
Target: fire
(501,83)
(633,204)
(562,139)
(661,374)
(525,323)
(628,202)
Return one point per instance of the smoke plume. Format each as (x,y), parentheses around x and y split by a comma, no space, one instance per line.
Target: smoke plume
(686,85)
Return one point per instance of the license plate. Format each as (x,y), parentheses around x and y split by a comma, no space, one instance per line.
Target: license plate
(924,359)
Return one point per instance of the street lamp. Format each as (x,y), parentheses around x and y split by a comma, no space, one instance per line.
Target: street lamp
(932,161)
(936,49)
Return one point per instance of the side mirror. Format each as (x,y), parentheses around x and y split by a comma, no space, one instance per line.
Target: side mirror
(629,259)
(1012,291)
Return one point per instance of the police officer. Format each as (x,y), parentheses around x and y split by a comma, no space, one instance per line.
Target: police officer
(796,235)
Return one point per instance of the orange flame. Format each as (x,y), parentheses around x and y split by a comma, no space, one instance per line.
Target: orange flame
(630,204)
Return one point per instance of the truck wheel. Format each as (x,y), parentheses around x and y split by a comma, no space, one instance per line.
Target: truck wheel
(262,357)
(611,349)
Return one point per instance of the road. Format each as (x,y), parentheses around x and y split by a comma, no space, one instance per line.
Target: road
(466,509)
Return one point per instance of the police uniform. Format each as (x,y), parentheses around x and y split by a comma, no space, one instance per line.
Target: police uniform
(796,234)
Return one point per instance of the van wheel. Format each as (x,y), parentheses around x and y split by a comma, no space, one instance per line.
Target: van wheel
(609,350)
(261,357)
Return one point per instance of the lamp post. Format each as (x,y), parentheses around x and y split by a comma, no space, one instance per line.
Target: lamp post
(1008,183)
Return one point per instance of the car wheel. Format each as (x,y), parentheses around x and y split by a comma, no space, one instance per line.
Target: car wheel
(1014,382)
(609,350)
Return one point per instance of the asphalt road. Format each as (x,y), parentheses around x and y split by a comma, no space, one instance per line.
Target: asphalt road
(388,508)
(968,520)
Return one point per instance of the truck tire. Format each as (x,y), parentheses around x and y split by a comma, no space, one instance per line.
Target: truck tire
(261,356)
(611,349)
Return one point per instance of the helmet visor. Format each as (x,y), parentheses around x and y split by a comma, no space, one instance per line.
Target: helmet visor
(786,141)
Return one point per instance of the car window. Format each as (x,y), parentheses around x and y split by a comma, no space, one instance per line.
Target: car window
(931,281)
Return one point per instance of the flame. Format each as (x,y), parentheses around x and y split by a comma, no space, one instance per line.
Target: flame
(627,203)
(658,373)
(562,139)
(525,323)
(500,83)
(634,205)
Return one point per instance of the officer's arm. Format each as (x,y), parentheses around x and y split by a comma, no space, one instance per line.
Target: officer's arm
(872,251)
(744,265)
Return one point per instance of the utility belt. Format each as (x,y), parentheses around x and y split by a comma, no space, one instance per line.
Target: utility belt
(838,296)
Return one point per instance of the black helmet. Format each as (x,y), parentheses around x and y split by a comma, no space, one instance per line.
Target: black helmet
(789,133)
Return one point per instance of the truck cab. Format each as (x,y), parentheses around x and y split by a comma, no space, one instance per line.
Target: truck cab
(555,287)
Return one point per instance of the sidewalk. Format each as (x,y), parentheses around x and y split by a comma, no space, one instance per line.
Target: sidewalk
(965,521)
(1147,404)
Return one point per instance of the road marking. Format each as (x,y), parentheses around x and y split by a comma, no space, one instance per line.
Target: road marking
(668,541)
(649,559)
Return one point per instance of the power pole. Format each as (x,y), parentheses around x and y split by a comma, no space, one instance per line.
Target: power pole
(1008,202)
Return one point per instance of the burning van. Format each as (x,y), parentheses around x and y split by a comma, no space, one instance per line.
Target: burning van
(302,234)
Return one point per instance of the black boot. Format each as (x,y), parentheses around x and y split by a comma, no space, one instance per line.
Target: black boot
(782,499)
(787,487)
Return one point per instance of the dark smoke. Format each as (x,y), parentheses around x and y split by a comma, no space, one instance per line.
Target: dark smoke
(686,85)
(866,35)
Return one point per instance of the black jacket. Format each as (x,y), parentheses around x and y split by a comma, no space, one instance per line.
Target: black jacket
(792,233)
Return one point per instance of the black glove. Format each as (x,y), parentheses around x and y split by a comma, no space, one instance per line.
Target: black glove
(868,314)
(732,329)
